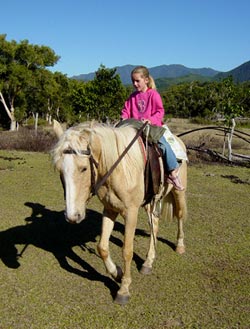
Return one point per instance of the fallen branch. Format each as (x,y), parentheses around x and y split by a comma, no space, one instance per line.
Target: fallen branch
(225,130)
(238,159)
(215,155)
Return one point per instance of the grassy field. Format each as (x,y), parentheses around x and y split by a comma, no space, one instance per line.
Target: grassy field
(51,276)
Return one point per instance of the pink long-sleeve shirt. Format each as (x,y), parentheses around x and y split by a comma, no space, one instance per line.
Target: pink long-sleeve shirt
(144,105)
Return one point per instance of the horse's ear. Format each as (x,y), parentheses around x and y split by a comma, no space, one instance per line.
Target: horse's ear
(57,129)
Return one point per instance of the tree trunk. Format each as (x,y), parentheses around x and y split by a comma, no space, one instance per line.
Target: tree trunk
(36,122)
(230,138)
(224,144)
(10,112)
(13,125)
(13,122)
(48,115)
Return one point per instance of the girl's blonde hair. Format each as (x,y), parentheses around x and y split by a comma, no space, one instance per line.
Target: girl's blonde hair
(145,73)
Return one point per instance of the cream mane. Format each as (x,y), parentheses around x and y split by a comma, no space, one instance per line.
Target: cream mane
(113,141)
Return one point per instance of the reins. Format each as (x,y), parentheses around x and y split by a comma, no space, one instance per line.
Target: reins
(105,177)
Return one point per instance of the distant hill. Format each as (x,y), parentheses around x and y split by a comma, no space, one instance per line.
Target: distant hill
(179,72)
(162,71)
(239,74)
(163,83)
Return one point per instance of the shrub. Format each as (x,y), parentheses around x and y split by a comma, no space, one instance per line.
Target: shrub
(27,139)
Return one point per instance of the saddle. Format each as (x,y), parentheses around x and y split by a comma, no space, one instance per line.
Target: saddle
(154,169)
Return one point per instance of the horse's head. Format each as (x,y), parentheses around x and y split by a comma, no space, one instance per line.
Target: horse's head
(72,157)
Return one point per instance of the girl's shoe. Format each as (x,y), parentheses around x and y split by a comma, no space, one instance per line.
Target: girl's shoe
(175,181)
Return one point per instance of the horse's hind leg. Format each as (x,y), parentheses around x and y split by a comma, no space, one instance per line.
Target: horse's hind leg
(154,225)
(108,221)
(180,247)
(181,212)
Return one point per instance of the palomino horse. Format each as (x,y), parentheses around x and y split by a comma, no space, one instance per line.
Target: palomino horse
(83,155)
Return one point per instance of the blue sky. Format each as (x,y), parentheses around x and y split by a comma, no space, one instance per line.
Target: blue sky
(86,34)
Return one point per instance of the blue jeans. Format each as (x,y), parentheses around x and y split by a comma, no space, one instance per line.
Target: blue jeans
(169,158)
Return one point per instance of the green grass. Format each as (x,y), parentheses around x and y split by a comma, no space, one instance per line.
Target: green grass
(52,277)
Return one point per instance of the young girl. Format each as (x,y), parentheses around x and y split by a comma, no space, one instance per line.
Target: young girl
(145,104)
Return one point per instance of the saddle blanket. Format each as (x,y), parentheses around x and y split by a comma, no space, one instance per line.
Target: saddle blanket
(175,145)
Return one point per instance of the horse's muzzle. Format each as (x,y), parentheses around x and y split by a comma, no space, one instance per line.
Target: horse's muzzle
(75,218)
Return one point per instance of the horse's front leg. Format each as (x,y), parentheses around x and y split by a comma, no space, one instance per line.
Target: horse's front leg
(123,294)
(108,221)
(154,225)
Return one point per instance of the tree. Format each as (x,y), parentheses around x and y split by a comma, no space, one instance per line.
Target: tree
(19,64)
(105,95)
(207,99)
(230,108)
(229,104)
(78,99)
(49,95)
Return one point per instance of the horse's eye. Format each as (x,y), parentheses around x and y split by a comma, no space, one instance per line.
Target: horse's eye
(83,169)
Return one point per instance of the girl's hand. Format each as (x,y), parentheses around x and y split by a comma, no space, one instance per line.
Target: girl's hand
(146,120)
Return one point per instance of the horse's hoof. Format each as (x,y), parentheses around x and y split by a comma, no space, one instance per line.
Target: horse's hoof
(119,274)
(121,299)
(180,250)
(146,270)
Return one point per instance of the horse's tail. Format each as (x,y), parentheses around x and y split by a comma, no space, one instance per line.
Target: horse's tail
(174,206)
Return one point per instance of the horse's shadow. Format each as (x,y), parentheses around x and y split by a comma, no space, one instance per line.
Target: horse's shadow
(48,230)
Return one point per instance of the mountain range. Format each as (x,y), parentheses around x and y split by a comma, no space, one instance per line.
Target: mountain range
(240,73)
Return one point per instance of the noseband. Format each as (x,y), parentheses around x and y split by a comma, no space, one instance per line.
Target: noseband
(82,152)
